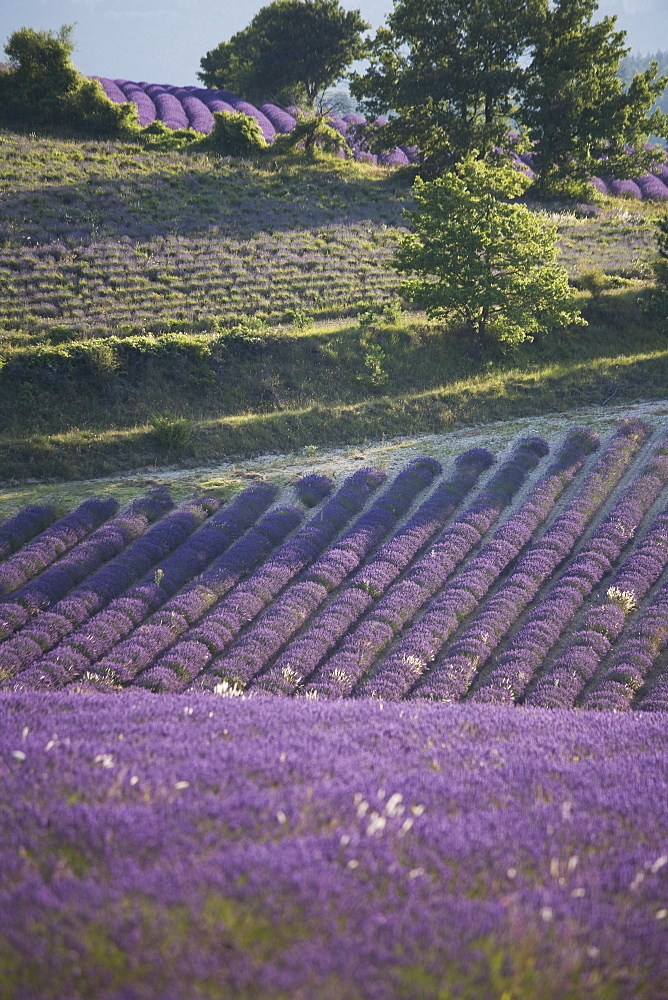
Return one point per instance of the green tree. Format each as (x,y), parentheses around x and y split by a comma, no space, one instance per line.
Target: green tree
(41,88)
(577,110)
(450,72)
(290,52)
(477,257)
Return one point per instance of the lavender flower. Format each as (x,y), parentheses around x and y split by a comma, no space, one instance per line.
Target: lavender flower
(20,528)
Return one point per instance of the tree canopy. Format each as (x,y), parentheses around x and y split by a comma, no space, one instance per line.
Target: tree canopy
(476,256)
(459,77)
(289,53)
(41,88)
(450,72)
(575,107)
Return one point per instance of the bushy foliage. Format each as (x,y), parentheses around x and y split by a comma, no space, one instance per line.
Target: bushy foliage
(659,301)
(42,89)
(159,136)
(479,257)
(661,263)
(450,72)
(311,133)
(290,52)
(172,433)
(234,134)
(459,76)
(576,109)
(637,63)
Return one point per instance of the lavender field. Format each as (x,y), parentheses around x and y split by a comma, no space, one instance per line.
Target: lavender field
(529,578)
(193,108)
(207,847)
(234,766)
(362,730)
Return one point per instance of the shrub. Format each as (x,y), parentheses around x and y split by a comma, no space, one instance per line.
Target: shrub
(594,281)
(312,133)
(234,134)
(41,88)
(173,434)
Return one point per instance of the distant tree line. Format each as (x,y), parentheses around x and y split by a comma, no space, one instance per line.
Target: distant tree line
(451,77)
(454,77)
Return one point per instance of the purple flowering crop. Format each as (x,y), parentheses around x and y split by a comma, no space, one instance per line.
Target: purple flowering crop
(53,542)
(624,189)
(372,600)
(112,90)
(312,489)
(260,845)
(652,188)
(167,107)
(343,670)
(303,654)
(20,528)
(146,109)
(515,668)
(183,107)
(295,606)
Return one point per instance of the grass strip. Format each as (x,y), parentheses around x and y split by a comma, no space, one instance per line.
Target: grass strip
(514,393)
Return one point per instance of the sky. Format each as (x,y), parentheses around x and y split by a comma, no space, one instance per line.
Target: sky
(162,41)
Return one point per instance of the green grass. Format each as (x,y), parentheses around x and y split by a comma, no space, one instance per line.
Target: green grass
(164,308)
(318,393)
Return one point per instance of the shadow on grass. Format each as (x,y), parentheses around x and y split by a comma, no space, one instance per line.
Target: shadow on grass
(556,387)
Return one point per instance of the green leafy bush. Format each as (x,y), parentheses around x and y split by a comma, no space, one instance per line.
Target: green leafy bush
(593,280)
(40,88)
(234,134)
(159,136)
(477,256)
(312,133)
(172,434)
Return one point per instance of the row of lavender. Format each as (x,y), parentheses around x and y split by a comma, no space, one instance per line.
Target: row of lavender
(546,591)
(193,107)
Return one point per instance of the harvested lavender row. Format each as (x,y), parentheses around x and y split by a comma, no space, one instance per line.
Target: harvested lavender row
(300,601)
(123,614)
(560,685)
(406,663)
(251,597)
(52,543)
(185,609)
(122,663)
(564,681)
(342,671)
(452,675)
(303,654)
(101,546)
(29,521)
(42,633)
(525,655)
(199,599)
